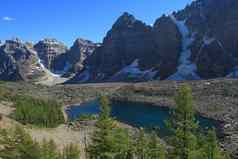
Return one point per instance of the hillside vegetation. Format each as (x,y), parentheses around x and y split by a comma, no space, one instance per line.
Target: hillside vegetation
(32,110)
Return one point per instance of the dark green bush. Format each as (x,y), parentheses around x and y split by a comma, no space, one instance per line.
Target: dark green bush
(85,117)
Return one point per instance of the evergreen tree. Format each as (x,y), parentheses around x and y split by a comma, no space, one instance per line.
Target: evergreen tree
(156,149)
(38,112)
(105,108)
(212,149)
(48,150)
(71,152)
(148,146)
(141,145)
(18,144)
(108,141)
(183,124)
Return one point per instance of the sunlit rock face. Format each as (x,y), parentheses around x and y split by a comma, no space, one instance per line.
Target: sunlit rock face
(18,61)
(48,50)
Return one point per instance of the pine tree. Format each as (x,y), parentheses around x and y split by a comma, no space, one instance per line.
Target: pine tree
(212,148)
(105,108)
(141,145)
(48,150)
(18,144)
(156,149)
(101,140)
(183,124)
(108,141)
(71,152)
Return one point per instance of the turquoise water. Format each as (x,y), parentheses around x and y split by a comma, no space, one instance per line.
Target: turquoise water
(135,114)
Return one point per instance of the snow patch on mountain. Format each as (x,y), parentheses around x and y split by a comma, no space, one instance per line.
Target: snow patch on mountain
(66,68)
(207,40)
(50,78)
(186,69)
(134,71)
(233,73)
(84,76)
(40,62)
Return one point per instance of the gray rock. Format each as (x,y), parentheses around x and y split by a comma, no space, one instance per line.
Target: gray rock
(48,50)
(217,20)
(18,61)
(167,46)
(128,40)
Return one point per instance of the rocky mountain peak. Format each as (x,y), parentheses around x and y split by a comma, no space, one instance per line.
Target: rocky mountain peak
(127,21)
(125,18)
(15,46)
(48,49)
(18,61)
(82,42)
(50,41)
(79,52)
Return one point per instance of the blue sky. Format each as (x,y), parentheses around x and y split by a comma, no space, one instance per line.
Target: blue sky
(67,20)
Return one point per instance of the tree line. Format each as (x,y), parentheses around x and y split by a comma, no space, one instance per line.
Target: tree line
(39,112)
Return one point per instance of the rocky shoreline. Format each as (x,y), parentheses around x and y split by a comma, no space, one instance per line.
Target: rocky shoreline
(216,104)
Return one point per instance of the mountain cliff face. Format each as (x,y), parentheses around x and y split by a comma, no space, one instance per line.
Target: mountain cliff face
(198,42)
(132,50)
(18,61)
(79,52)
(127,41)
(48,50)
(214,26)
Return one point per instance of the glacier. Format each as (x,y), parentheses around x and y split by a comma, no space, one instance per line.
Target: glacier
(186,69)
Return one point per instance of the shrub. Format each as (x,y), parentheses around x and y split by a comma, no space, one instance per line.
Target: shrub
(85,117)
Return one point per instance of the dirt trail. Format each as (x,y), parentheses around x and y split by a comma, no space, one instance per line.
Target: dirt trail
(6,108)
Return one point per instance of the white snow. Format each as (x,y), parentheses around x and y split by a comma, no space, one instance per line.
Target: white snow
(50,78)
(1,43)
(67,66)
(84,76)
(45,69)
(186,69)
(207,40)
(233,73)
(133,70)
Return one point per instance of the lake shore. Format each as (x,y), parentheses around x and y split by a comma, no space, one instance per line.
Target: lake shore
(216,99)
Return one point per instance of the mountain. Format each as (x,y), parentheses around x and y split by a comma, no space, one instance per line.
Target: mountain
(18,61)
(133,51)
(198,42)
(213,23)
(73,60)
(46,59)
(48,50)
